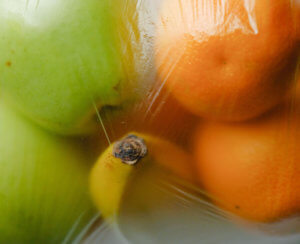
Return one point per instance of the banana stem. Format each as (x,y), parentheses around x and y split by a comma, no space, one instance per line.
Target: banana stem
(130,149)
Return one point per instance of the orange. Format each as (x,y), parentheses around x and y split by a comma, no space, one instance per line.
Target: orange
(252,169)
(229,60)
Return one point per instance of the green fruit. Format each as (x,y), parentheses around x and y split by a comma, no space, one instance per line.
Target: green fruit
(43,186)
(62,59)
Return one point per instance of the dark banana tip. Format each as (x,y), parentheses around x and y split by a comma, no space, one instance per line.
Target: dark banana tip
(130,149)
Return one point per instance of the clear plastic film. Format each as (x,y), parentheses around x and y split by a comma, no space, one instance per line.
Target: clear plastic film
(149,121)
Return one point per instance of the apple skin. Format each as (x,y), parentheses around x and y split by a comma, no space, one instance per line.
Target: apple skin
(62,58)
(43,186)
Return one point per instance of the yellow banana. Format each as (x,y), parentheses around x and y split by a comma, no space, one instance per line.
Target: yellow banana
(133,155)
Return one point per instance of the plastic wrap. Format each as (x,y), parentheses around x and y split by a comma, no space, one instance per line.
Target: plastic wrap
(149,121)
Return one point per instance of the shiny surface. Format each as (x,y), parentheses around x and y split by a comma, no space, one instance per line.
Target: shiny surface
(154,205)
(227,60)
(62,58)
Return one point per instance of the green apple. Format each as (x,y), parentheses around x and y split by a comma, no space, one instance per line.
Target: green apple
(62,59)
(43,186)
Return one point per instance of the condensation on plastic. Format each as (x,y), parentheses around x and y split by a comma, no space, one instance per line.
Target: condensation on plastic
(186,213)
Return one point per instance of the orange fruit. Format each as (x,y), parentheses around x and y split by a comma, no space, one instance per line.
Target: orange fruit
(252,169)
(228,60)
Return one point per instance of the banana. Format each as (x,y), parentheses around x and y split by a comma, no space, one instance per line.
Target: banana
(121,164)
